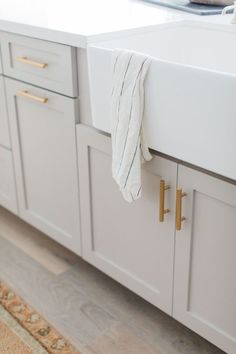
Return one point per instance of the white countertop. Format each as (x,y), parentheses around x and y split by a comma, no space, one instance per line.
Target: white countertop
(78,22)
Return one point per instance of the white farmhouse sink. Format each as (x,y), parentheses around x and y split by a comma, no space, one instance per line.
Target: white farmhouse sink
(190,109)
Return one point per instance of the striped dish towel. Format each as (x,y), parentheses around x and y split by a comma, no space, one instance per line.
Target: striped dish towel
(129,148)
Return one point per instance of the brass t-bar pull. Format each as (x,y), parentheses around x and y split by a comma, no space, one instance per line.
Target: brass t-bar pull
(162,210)
(26,94)
(179,217)
(28,61)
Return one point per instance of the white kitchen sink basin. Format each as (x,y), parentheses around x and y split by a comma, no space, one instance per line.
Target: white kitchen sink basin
(190,100)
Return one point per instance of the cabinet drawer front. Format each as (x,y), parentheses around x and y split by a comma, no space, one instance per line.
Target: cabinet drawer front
(41,63)
(7,181)
(4,130)
(42,126)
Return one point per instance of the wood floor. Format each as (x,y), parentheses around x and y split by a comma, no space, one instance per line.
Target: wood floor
(98,315)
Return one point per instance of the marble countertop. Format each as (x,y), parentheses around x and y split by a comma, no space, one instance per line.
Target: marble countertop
(79,22)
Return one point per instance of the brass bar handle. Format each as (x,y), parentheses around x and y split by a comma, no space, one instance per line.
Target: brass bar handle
(179,217)
(26,60)
(26,94)
(162,210)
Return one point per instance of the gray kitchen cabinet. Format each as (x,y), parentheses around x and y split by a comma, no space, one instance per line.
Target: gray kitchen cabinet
(184,265)
(42,125)
(127,241)
(205,258)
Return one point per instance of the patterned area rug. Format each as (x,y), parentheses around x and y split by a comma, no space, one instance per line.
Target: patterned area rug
(24,331)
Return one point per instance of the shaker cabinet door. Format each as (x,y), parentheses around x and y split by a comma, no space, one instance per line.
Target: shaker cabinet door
(44,146)
(205,258)
(124,240)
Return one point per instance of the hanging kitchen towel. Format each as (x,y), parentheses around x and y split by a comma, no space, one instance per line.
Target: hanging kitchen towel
(129,147)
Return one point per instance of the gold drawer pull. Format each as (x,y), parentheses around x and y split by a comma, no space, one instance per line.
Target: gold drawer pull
(32,97)
(162,210)
(179,217)
(25,60)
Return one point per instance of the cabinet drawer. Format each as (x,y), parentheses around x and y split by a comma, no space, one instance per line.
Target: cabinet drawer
(46,64)
(7,181)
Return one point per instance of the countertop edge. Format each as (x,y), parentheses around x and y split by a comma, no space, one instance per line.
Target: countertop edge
(80,40)
(51,35)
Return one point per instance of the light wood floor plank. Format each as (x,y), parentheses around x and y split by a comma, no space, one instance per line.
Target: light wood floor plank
(119,340)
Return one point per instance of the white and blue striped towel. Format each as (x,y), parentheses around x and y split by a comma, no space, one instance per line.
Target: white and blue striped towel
(129,148)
